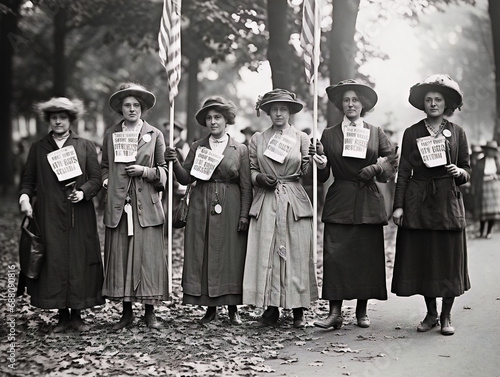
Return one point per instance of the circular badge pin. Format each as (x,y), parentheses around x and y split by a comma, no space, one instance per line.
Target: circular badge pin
(447,133)
(146,138)
(218,208)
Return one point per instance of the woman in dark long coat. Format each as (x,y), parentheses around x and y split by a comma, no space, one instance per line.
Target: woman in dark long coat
(431,248)
(134,254)
(71,276)
(354,211)
(215,236)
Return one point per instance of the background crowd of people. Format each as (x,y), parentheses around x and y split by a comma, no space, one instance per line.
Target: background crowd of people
(248,238)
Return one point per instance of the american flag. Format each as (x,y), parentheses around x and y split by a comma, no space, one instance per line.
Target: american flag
(307,37)
(169,40)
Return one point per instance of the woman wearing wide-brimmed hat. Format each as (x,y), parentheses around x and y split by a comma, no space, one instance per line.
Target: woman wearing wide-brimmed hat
(431,248)
(134,255)
(485,184)
(357,154)
(279,268)
(216,226)
(71,275)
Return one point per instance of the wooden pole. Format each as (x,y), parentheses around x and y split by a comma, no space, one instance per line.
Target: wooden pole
(170,199)
(317,37)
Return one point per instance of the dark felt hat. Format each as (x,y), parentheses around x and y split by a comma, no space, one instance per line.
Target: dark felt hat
(492,144)
(441,83)
(336,92)
(220,104)
(131,90)
(278,95)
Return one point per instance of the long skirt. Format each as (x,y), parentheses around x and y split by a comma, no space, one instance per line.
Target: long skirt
(270,280)
(135,267)
(431,263)
(354,262)
(205,299)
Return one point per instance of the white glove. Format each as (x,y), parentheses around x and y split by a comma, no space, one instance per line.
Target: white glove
(26,208)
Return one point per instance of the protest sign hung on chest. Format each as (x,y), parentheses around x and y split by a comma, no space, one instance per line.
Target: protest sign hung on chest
(355,142)
(279,146)
(64,163)
(205,162)
(125,146)
(432,150)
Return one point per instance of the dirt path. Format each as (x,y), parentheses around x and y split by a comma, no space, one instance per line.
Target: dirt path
(182,347)
(392,347)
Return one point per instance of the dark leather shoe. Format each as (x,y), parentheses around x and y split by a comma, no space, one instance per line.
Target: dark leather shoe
(79,325)
(446,327)
(62,326)
(363,321)
(124,321)
(209,316)
(234,318)
(270,316)
(333,320)
(151,321)
(430,321)
(64,322)
(298,318)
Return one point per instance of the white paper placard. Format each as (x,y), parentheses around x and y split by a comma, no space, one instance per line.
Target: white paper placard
(279,146)
(355,142)
(433,150)
(125,146)
(64,163)
(205,162)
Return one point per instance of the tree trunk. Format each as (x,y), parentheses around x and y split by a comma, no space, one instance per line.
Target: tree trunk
(59,63)
(279,51)
(494,10)
(8,37)
(342,48)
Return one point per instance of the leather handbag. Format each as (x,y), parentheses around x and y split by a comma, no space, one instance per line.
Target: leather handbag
(31,249)
(181,212)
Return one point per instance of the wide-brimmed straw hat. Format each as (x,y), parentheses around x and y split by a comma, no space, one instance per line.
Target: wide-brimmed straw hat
(220,104)
(278,95)
(73,107)
(441,83)
(492,144)
(336,92)
(129,89)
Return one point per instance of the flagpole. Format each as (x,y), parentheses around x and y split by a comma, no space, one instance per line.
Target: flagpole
(170,200)
(317,37)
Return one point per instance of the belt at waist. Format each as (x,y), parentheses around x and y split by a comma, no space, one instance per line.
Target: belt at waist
(288,178)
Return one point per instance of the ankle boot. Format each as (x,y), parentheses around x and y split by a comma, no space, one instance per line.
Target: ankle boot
(361,316)
(446,327)
(127,317)
(150,317)
(64,321)
(234,317)
(210,314)
(298,318)
(270,316)
(334,318)
(77,322)
(431,318)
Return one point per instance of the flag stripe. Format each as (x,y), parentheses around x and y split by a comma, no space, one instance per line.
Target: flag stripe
(307,37)
(169,41)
